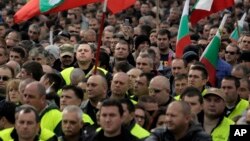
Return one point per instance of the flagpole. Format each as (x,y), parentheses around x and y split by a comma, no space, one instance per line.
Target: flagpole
(51,35)
(100,35)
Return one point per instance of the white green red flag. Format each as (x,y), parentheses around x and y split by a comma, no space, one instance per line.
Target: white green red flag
(183,37)
(235,35)
(36,7)
(211,54)
(204,8)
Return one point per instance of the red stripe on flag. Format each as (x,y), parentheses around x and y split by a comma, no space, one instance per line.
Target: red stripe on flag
(197,15)
(29,10)
(181,44)
(116,6)
(32,8)
(211,71)
(217,5)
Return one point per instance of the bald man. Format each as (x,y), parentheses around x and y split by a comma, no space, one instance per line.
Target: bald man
(133,74)
(96,90)
(159,88)
(35,95)
(119,85)
(179,125)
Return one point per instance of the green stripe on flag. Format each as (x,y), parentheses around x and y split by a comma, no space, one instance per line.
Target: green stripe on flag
(46,5)
(211,52)
(235,34)
(183,30)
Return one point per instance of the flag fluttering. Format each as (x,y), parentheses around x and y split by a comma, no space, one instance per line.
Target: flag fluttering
(211,54)
(116,6)
(204,8)
(183,37)
(235,35)
(36,7)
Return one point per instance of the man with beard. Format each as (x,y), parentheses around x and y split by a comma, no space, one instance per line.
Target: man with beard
(66,57)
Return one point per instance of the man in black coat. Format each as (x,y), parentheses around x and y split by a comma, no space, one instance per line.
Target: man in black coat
(179,125)
(111,119)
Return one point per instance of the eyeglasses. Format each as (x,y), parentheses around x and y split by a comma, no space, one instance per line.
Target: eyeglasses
(4,78)
(151,90)
(246,41)
(230,52)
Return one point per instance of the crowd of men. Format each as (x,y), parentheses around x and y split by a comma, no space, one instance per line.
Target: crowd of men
(53,87)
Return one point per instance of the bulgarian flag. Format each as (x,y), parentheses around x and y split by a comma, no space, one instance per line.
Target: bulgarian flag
(183,37)
(235,34)
(36,7)
(211,54)
(204,8)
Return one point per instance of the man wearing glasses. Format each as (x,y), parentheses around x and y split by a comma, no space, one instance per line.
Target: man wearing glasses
(159,88)
(245,42)
(6,73)
(232,54)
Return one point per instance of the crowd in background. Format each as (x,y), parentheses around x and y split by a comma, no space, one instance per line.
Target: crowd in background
(50,90)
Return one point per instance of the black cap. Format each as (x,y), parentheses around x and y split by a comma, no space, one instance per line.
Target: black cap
(190,56)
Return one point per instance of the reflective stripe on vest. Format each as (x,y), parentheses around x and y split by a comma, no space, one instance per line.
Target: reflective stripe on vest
(45,134)
(239,109)
(66,74)
(101,69)
(221,132)
(204,92)
(139,132)
(5,134)
(178,97)
(87,119)
(51,119)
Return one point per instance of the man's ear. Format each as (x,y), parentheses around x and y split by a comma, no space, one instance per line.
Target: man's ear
(2,120)
(188,118)
(132,114)
(205,80)
(38,128)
